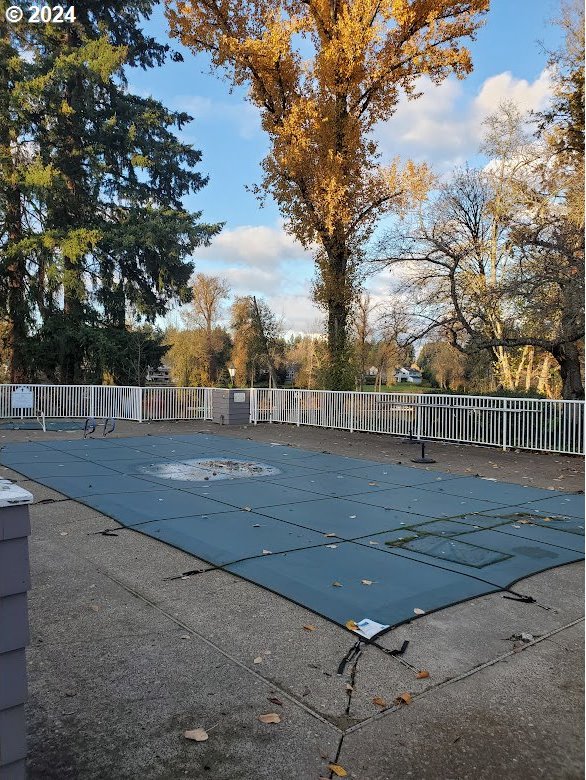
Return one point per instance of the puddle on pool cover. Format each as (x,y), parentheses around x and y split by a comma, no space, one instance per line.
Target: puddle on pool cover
(210,469)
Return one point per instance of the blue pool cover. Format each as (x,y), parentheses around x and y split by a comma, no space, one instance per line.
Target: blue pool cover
(348,538)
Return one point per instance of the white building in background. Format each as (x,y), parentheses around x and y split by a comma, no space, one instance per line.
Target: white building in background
(160,375)
(411,375)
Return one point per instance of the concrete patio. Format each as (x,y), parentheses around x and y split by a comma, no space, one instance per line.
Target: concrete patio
(123,660)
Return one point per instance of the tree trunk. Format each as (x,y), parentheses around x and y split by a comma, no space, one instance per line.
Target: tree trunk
(337,295)
(529,371)
(568,357)
(16,303)
(543,380)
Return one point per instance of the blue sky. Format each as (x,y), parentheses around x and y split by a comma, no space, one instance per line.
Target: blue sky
(442,127)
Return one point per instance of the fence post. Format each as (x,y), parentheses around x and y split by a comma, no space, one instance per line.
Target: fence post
(418,412)
(139,410)
(505,433)
(298,399)
(352,412)
(92,401)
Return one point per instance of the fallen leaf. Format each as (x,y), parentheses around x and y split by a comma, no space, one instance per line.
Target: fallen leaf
(270,717)
(352,625)
(366,582)
(338,770)
(197,735)
(336,584)
(63,533)
(328,536)
(422,675)
(332,546)
(373,483)
(349,687)
(379,701)
(247,509)
(258,660)
(310,628)
(419,611)
(404,698)
(184,636)
(94,607)
(274,700)
(267,552)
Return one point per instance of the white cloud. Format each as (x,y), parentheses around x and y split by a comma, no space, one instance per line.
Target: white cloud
(505,87)
(265,260)
(444,128)
(259,246)
(298,313)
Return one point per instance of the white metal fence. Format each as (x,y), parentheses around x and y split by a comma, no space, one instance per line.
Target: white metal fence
(531,424)
(521,423)
(123,403)
(176,403)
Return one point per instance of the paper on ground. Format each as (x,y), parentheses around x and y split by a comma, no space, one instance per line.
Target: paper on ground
(369,628)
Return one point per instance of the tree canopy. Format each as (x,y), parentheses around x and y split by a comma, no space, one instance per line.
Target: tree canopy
(323,73)
(92,224)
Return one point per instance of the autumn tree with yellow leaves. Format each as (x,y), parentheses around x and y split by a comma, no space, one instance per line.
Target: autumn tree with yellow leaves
(323,73)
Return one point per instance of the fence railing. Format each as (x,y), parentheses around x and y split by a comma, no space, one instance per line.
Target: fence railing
(176,403)
(123,403)
(519,423)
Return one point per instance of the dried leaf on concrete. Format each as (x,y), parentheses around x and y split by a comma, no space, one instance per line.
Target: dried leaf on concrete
(422,674)
(270,717)
(379,701)
(338,770)
(404,698)
(310,628)
(197,735)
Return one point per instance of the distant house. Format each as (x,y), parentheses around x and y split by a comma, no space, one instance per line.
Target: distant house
(411,375)
(159,376)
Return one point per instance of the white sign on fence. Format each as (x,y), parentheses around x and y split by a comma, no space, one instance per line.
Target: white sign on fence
(22,398)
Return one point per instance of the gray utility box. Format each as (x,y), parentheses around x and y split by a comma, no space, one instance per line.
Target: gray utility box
(231,407)
(14,632)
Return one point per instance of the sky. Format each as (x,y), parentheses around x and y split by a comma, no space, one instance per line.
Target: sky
(443,128)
